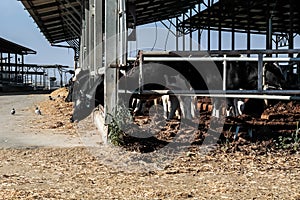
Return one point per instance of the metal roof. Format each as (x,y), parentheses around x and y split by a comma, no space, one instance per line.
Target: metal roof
(60,20)
(148,11)
(250,15)
(10,47)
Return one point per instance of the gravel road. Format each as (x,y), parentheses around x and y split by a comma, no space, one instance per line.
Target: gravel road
(17,130)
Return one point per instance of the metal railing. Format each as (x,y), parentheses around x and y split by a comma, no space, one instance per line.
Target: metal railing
(260,93)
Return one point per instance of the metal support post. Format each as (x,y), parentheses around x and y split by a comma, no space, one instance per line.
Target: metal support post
(260,73)
(224,72)
(83,47)
(86,38)
(1,68)
(44,79)
(270,33)
(22,66)
(177,35)
(291,28)
(91,37)
(208,28)
(9,75)
(122,33)
(183,35)
(141,78)
(16,68)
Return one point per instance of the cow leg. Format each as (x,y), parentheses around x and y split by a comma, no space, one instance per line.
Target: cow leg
(182,105)
(193,106)
(229,107)
(174,106)
(155,102)
(144,106)
(241,106)
(236,135)
(185,106)
(70,91)
(238,107)
(235,108)
(132,103)
(250,132)
(169,106)
(138,106)
(166,105)
(216,108)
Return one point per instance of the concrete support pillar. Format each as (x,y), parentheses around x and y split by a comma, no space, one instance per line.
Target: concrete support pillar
(98,33)
(91,37)
(110,58)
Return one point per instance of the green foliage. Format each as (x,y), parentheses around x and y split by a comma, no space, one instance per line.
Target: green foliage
(118,124)
(289,142)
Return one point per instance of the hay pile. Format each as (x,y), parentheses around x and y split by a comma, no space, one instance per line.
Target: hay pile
(56,113)
(73,173)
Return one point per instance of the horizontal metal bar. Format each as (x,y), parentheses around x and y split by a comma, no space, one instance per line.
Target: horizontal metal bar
(131,59)
(194,59)
(255,94)
(156,53)
(199,92)
(267,59)
(222,52)
(255,51)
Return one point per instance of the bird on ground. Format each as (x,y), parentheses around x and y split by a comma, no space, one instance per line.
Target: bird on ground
(37,111)
(13,111)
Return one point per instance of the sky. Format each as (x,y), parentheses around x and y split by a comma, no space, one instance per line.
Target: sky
(18,26)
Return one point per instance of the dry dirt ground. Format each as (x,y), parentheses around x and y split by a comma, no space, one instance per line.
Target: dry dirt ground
(47,157)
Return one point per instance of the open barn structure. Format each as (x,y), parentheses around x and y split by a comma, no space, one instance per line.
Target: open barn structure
(17,75)
(13,72)
(100,31)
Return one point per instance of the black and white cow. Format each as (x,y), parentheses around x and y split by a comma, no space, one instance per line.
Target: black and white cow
(86,93)
(157,76)
(244,75)
(166,76)
(77,74)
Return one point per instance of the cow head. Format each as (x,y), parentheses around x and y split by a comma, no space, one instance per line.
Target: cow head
(87,94)
(274,76)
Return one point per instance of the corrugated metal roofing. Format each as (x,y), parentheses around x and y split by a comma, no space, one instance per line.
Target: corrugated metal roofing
(148,11)
(10,47)
(250,15)
(60,20)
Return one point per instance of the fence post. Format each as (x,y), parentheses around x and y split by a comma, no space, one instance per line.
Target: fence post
(260,73)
